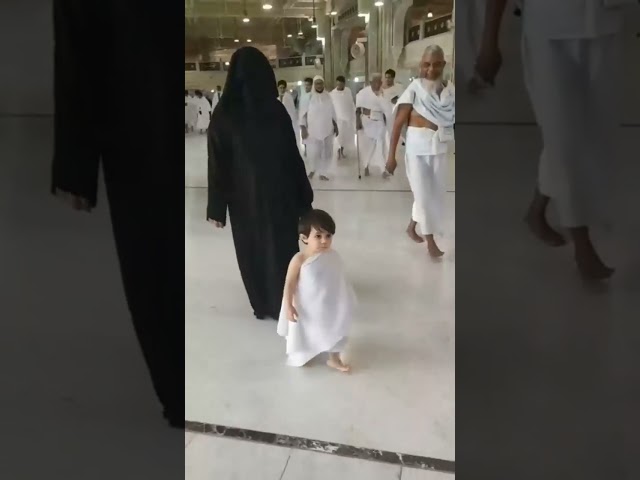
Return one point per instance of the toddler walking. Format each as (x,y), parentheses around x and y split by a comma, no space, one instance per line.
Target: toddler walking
(318,301)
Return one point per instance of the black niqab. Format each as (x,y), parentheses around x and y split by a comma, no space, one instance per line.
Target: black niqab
(251,84)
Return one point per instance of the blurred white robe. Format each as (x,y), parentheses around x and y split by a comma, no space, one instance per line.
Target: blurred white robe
(190,112)
(426,154)
(204,113)
(289,104)
(326,303)
(372,138)
(318,116)
(346,113)
(571,56)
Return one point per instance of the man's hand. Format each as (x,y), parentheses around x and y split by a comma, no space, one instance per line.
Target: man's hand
(74,201)
(304,132)
(488,63)
(391,166)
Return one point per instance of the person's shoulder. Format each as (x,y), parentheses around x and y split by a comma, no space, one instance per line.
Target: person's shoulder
(298,259)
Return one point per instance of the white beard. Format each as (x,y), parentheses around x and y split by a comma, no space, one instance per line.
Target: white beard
(432,86)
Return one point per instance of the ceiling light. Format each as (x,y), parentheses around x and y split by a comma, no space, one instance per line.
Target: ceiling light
(379,3)
(248,40)
(430,14)
(334,13)
(267,6)
(226,63)
(289,36)
(300,33)
(246,19)
(314,24)
(237,40)
(356,80)
(362,14)
(299,83)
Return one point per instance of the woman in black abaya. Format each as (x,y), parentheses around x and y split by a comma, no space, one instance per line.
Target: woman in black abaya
(257,174)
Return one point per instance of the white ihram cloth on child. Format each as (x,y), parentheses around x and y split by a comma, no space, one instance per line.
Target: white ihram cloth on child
(325,302)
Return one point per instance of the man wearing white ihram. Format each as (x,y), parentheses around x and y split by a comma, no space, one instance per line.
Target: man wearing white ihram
(427,108)
(287,100)
(319,124)
(570,52)
(371,125)
(346,112)
(190,112)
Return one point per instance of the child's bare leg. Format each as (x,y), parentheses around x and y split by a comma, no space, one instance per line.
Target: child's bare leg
(336,362)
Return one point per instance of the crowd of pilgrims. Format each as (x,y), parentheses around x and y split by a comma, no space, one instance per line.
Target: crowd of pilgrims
(324,122)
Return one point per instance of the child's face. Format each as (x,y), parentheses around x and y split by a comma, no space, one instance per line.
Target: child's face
(318,240)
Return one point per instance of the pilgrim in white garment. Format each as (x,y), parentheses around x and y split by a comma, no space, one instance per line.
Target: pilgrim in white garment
(305,96)
(346,112)
(570,54)
(190,113)
(318,123)
(287,100)
(215,97)
(391,92)
(371,125)
(427,107)
(319,302)
(204,112)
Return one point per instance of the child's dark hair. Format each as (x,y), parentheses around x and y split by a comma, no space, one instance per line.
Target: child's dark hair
(318,219)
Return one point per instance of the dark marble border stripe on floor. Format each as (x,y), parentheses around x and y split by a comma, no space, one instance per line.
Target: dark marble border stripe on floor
(409,461)
(522,124)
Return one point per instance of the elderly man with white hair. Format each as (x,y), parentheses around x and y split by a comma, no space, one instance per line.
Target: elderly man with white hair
(427,109)
(371,125)
(319,124)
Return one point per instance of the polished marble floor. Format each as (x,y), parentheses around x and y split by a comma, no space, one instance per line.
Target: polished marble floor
(401,394)
(208,457)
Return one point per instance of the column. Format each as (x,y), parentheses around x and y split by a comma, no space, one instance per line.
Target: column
(400,9)
(373,43)
(324,31)
(386,36)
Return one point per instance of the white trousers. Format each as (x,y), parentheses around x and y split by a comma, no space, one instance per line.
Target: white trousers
(320,154)
(572,85)
(428,181)
(373,151)
(346,134)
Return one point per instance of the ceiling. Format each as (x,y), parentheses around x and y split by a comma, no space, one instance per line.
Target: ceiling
(216,24)
(212,25)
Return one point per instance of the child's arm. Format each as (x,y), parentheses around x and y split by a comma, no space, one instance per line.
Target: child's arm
(290,285)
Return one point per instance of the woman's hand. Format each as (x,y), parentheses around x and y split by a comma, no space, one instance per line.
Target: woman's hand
(74,201)
(216,223)
(292,314)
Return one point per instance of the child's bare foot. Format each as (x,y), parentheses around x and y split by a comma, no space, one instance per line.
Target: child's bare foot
(336,363)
